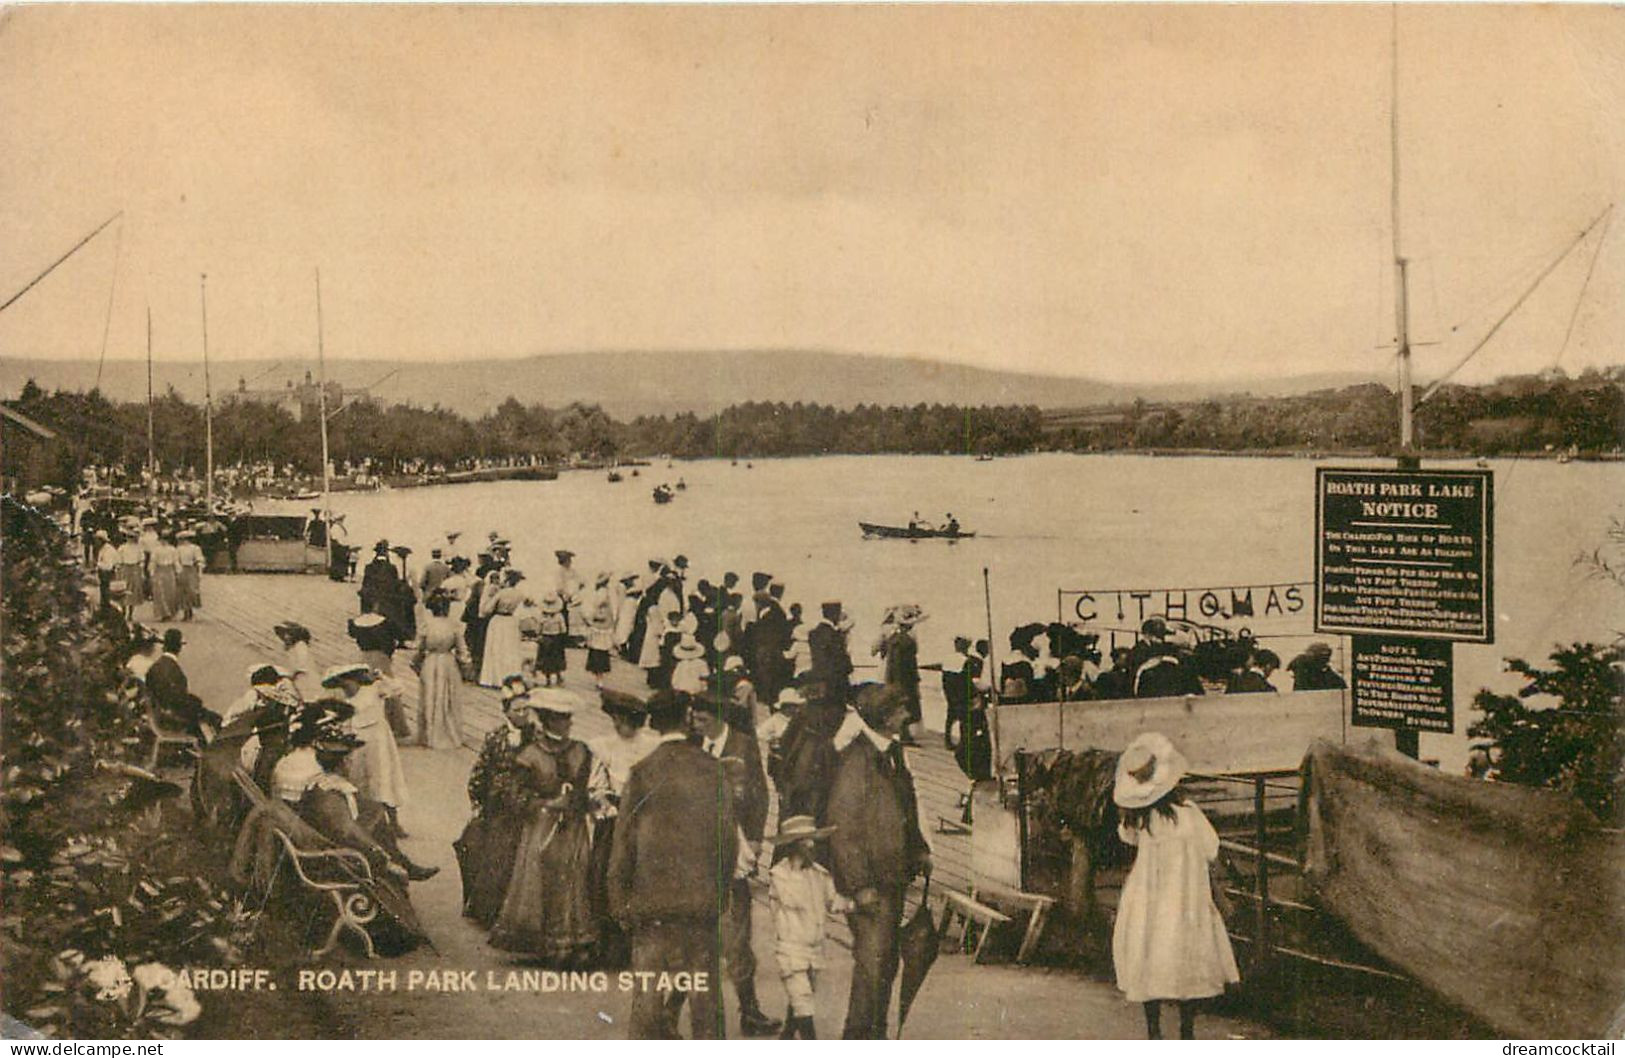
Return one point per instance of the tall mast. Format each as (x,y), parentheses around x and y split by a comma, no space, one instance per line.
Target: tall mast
(321,401)
(1407,436)
(152,462)
(208,402)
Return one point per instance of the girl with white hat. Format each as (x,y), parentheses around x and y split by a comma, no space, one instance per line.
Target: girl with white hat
(1169,941)
(803,896)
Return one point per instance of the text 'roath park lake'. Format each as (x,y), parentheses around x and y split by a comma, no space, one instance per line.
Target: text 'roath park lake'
(1135,534)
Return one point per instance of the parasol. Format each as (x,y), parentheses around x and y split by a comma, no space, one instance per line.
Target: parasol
(918,943)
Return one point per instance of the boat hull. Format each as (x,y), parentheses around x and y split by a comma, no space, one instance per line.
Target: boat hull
(894,532)
(1502,899)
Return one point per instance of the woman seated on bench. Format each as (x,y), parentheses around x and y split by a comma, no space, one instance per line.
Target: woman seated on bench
(309,778)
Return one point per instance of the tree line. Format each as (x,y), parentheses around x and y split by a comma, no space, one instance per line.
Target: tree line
(1519,414)
(1528,413)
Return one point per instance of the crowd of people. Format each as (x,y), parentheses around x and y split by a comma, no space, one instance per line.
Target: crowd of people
(1058,662)
(637,849)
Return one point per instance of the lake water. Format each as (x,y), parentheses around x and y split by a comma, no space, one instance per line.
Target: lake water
(1043,522)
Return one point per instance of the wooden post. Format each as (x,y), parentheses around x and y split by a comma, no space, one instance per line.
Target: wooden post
(1261,878)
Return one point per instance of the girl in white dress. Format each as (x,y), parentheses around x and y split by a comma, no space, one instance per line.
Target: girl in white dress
(1169,941)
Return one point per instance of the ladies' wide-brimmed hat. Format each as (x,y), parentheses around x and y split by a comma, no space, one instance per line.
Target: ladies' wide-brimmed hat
(800,828)
(603,578)
(1147,770)
(554,700)
(908,614)
(291,630)
(619,703)
(355,671)
(688,648)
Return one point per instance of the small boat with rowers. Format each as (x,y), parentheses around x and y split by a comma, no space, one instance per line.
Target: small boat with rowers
(614,476)
(915,530)
(663,493)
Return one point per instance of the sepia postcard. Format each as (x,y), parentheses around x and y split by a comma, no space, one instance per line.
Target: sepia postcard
(878,521)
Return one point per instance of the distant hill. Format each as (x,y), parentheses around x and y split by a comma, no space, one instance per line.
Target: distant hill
(627,384)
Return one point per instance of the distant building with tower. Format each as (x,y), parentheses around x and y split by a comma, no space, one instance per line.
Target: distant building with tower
(302,399)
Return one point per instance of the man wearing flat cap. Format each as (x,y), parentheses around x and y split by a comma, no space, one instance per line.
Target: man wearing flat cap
(670,868)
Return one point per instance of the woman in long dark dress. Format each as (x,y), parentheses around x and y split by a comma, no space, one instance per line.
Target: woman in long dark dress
(485,851)
(547,912)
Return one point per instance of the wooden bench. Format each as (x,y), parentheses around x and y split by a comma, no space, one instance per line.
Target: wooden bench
(344,875)
(164,736)
(1036,907)
(969,910)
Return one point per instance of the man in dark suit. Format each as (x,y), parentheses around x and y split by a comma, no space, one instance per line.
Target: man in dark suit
(671,863)
(177,706)
(742,762)
(877,848)
(831,662)
(769,638)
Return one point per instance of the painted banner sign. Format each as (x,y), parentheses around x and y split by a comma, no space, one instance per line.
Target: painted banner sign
(1403,684)
(1404,552)
(1277,608)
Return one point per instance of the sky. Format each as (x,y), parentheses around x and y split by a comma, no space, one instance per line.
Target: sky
(1134,193)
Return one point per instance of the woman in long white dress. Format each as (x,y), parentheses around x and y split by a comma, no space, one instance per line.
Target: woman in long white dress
(375,767)
(504,647)
(165,561)
(1169,940)
(438,651)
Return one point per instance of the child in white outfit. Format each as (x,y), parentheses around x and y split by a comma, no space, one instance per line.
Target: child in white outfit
(803,896)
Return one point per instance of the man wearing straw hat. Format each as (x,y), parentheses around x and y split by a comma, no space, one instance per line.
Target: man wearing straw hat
(670,865)
(876,850)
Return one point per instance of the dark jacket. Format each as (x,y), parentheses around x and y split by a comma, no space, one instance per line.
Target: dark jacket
(1248,682)
(877,841)
(807,761)
(1165,675)
(175,704)
(903,664)
(830,663)
(676,839)
(378,582)
(742,761)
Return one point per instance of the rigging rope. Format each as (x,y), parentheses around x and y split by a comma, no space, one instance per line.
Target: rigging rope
(1516,305)
(32,283)
(112,287)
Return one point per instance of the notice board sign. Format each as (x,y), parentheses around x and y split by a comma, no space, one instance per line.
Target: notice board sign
(1404,552)
(1402,683)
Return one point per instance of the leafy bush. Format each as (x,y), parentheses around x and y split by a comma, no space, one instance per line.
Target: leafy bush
(101,886)
(1576,746)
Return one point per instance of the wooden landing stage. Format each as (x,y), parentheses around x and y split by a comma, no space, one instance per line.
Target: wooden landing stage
(252,604)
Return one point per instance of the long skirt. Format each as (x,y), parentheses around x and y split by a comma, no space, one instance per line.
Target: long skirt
(485,857)
(440,721)
(598,662)
(504,653)
(191,588)
(135,582)
(547,912)
(375,767)
(165,593)
(550,655)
